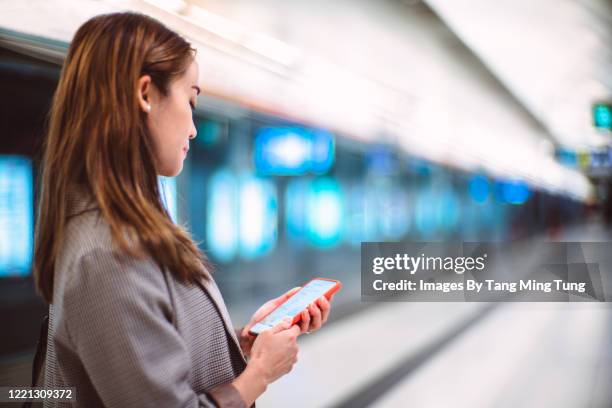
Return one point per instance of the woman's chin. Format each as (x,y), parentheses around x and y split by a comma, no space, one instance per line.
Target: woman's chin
(171,172)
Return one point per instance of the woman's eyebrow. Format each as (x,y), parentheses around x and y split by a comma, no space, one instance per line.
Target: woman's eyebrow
(197,88)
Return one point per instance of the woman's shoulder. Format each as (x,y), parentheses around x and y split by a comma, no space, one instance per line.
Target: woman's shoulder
(103,285)
(85,227)
(85,232)
(104,280)
(88,257)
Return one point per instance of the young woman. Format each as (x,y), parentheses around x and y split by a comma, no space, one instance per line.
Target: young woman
(135,316)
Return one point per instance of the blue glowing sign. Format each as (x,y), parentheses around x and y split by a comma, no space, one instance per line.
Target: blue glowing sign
(296,196)
(380,159)
(16,216)
(222,216)
(566,157)
(293,151)
(602,116)
(511,191)
(242,216)
(478,187)
(325,213)
(258,217)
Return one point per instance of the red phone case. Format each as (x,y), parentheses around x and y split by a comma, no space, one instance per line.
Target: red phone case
(327,295)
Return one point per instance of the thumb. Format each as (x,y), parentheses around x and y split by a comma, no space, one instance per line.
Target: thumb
(283,325)
(291,292)
(282,298)
(288,294)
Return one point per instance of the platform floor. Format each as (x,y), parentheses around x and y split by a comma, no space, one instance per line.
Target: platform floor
(407,354)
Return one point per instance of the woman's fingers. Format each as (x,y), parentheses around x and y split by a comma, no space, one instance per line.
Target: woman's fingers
(315,317)
(305,322)
(325,308)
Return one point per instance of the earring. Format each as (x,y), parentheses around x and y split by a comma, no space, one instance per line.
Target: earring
(148,108)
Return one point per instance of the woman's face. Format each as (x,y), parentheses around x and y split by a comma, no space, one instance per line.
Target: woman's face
(170,119)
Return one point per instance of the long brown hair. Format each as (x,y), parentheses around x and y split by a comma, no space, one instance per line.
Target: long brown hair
(98,141)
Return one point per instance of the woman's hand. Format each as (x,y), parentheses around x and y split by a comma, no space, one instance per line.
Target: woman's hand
(275,351)
(273,355)
(313,317)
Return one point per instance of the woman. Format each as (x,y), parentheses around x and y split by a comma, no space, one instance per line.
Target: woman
(135,316)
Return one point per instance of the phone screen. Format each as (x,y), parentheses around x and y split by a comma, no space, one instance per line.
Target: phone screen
(295,304)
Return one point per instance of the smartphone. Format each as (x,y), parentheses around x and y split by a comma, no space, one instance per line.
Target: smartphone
(292,307)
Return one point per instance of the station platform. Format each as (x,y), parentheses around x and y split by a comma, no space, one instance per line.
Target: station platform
(407,354)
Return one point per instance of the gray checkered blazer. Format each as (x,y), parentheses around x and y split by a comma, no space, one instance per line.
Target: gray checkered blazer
(126,333)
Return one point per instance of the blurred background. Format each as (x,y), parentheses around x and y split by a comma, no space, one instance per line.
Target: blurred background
(323,124)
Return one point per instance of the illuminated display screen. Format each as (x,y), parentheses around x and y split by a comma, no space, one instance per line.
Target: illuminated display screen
(295,304)
(16,216)
(221,218)
(325,212)
(293,151)
(241,216)
(602,116)
(258,217)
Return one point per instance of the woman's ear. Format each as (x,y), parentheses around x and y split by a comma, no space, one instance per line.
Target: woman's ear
(144,93)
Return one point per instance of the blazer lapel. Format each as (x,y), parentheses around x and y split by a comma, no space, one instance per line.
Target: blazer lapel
(213,290)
